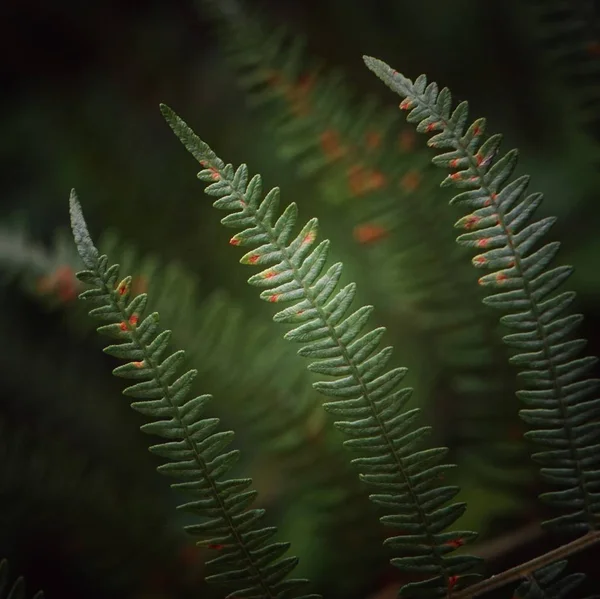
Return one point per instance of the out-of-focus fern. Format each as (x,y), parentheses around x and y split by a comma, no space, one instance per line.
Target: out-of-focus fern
(17,589)
(194,450)
(367,395)
(570,35)
(363,158)
(561,405)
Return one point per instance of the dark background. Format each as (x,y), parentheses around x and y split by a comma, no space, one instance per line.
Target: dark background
(81,507)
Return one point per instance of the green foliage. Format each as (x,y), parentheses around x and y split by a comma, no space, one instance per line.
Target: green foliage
(367,396)
(238,359)
(17,589)
(362,159)
(194,449)
(559,396)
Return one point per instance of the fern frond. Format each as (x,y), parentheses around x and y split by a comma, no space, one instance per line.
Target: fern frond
(547,583)
(561,404)
(363,159)
(195,449)
(367,395)
(17,589)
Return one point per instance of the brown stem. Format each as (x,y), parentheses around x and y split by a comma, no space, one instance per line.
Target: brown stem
(528,568)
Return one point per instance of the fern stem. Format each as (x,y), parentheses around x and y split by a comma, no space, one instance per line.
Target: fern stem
(528,568)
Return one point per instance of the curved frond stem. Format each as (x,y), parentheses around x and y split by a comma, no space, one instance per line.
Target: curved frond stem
(368,396)
(194,448)
(565,418)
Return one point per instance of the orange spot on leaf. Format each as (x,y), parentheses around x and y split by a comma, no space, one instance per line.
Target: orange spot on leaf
(274,298)
(234,241)
(253,259)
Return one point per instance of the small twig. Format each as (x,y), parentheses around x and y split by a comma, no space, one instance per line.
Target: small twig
(528,568)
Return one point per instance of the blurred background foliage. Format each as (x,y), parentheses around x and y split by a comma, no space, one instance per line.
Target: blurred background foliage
(82,510)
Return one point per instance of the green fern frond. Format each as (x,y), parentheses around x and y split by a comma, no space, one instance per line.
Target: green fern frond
(367,395)
(560,398)
(17,589)
(363,159)
(546,584)
(194,448)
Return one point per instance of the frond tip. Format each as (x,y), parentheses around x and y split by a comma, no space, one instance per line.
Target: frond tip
(561,399)
(194,447)
(365,394)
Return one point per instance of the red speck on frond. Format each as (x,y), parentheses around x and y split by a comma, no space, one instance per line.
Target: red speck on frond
(488,202)
(369,233)
(309,237)
(373,139)
(123,326)
(203,163)
(406,104)
(483,242)
(133,319)
(300,312)
(215,175)
(411,180)
(471,222)
(234,241)
(454,163)
(476,131)
(138,364)
(511,263)
(274,298)
(478,158)
(473,179)
(456,543)
(479,260)
(253,259)
(452,580)
(216,546)
(432,126)
(269,274)
(122,288)
(501,277)
(455,176)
